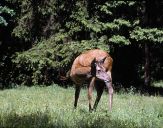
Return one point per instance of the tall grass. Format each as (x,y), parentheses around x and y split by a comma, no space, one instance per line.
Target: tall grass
(41,107)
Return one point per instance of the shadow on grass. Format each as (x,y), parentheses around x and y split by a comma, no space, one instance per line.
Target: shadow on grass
(14,120)
(140,88)
(102,121)
(43,120)
(37,120)
(152,90)
(79,119)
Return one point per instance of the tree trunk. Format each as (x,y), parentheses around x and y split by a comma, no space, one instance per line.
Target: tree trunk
(147,78)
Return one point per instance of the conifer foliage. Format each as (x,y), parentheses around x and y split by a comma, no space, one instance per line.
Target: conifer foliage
(49,34)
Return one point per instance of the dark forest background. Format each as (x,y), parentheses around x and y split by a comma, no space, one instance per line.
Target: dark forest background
(39,39)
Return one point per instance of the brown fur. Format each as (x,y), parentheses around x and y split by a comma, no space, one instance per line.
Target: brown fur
(80,72)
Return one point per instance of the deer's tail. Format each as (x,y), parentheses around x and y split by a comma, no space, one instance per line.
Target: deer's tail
(64,78)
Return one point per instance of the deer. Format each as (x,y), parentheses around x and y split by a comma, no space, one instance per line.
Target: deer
(94,68)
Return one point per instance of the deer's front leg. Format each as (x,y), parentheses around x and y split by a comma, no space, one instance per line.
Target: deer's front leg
(90,90)
(99,88)
(110,90)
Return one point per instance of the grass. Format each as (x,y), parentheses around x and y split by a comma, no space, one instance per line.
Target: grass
(158,83)
(40,107)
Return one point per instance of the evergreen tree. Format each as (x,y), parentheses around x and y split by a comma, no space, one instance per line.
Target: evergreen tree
(52,33)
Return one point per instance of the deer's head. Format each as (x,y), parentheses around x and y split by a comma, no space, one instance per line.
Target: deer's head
(98,70)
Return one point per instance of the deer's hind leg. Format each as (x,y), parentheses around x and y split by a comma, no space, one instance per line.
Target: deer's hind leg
(77,92)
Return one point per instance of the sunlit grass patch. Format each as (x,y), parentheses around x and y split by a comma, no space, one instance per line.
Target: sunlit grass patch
(158,83)
(53,107)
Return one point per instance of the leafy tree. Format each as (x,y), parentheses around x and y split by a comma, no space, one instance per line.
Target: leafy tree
(148,33)
(51,33)
(5,10)
(80,29)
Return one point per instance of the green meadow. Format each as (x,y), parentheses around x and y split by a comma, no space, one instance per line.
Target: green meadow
(52,107)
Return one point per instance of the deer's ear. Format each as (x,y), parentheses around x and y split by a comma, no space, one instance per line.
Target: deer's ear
(102,60)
